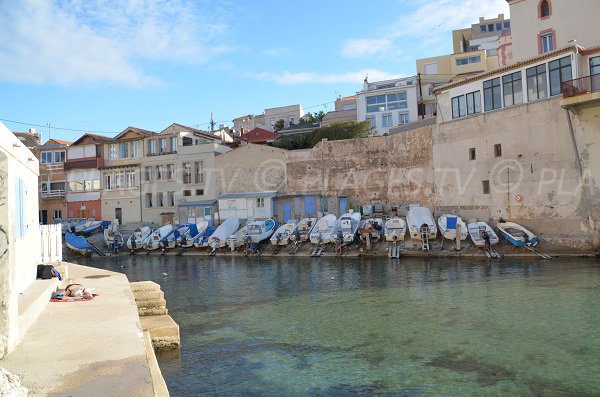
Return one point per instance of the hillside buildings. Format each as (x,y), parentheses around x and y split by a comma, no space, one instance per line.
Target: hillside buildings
(52,180)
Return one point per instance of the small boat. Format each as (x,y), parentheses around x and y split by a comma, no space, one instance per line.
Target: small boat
(187,237)
(394,229)
(219,238)
(259,231)
(517,235)
(78,244)
(88,227)
(302,230)
(346,227)
(201,239)
(237,239)
(173,239)
(420,217)
(153,241)
(283,233)
(448,224)
(321,233)
(372,227)
(482,234)
(137,238)
(112,236)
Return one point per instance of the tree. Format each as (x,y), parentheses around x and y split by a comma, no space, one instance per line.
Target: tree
(310,118)
(333,132)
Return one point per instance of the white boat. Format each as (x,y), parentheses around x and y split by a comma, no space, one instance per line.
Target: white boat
(137,238)
(395,229)
(201,239)
(153,241)
(482,234)
(195,229)
(219,237)
(283,234)
(346,227)
(418,217)
(259,231)
(303,228)
(448,224)
(237,239)
(372,227)
(321,233)
(88,227)
(112,236)
(517,234)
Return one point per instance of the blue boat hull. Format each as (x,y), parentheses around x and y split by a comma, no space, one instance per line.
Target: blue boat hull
(519,243)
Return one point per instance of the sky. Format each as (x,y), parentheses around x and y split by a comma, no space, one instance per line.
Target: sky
(69,66)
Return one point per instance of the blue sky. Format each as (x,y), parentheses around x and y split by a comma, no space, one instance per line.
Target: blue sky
(102,65)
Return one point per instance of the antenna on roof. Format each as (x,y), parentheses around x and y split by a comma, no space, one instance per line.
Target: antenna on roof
(212,122)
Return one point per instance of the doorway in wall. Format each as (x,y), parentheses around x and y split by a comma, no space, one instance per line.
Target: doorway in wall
(119,215)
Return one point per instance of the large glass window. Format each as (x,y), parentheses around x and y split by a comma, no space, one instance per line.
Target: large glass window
(474,102)
(386,102)
(130,180)
(560,70)
(171,199)
(468,60)
(46,157)
(173,143)
(163,145)
(537,88)
(403,118)
(459,106)
(513,89)
(123,150)
(386,120)
(492,98)
(112,152)
(594,65)
(59,157)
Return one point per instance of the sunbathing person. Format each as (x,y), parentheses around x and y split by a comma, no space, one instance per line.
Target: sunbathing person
(77,291)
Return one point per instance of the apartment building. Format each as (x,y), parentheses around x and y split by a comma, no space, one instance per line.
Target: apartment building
(290,115)
(387,103)
(121,176)
(85,159)
(177,181)
(52,180)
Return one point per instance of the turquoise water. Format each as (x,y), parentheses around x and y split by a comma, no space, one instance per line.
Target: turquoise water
(357,327)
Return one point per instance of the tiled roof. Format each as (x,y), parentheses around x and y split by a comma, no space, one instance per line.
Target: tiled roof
(59,141)
(259,135)
(135,129)
(29,139)
(95,136)
(196,131)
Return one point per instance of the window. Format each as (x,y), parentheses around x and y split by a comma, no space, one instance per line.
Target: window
(459,107)
(130,182)
(473,102)
(559,70)
(546,42)
(490,27)
(544,10)
(594,65)
(20,220)
(199,192)
(506,24)
(123,150)
(152,147)
(291,121)
(135,149)
(372,120)
(187,193)
(492,98)
(120,180)
(148,173)
(173,143)
(59,157)
(403,118)
(199,168)
(148,200)
(431,68)
(187,173)
(160,199)
(187,141)
(536,83)
(76,186)
(472,153)
(498,25)
(171,199)
(483,28)
(112,152)
(486,186)
(387,102)
(497,150)
(46,157)
(386,120)
(260,202)
(58,214)
(159,172)
(468,60)
(108,182)
(513,89)
(170,171)
(162,145)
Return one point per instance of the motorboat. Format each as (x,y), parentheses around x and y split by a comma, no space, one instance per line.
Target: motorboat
(448,225)
(137,238)
(201,239)
(259,231)
(174,238)
(420,219)
(394,229)
(346,227)
(88,227)
(78,244)
(372,227)
(283,233)
(113,237)
(219,238)
(321,232)
(238,239)
(195,229)
(482,234)
(153,241)
(303,228)
(517,234)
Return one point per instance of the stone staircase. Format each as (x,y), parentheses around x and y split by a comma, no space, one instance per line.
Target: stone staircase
(154,317)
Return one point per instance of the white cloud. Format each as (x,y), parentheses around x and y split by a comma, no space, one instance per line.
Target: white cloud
(363,48)
(275,52)
(296,78)
(101,41)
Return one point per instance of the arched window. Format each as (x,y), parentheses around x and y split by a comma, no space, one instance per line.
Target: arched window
(544,9)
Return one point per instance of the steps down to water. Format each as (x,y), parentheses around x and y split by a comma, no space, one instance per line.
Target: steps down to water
(154,318)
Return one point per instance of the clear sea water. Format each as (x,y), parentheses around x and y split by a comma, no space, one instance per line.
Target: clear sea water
(376,327)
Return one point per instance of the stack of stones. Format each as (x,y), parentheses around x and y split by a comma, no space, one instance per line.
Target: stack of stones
(154,317)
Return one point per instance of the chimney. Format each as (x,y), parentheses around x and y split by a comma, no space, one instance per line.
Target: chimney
(32,130)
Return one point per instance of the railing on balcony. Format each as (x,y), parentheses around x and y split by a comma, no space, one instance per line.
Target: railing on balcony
(199,178)
(56,193)
(52,167)
(84,163)
(580,86)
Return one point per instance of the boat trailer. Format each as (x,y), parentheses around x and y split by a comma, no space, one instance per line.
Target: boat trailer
(394,249)
(538,252)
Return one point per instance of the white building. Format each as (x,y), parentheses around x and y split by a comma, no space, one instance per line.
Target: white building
(387,103)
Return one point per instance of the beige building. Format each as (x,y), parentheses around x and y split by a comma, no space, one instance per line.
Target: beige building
(121,174)
(176,172)
(289,114)
(53,180)
(540,26)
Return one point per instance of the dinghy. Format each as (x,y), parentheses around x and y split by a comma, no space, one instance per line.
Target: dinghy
(259,231)
(448,225)
(113,237)
(303,229)
(283,233)
(153,241)
(346,227)
(137,238)
(420,217)
(482,234)
(321,233)
(373,227)
(517,235)
(78,244)
(195,229)
(238,239)
(219,238)
(394,229)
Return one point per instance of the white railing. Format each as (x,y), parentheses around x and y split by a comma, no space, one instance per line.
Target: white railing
(53,193)
(51,243)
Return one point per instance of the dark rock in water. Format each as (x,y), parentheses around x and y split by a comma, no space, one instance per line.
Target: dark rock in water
(487,374)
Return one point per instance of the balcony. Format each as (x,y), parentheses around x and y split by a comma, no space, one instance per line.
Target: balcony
(581,90)
(84,163)
(52,194)
(51,168)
